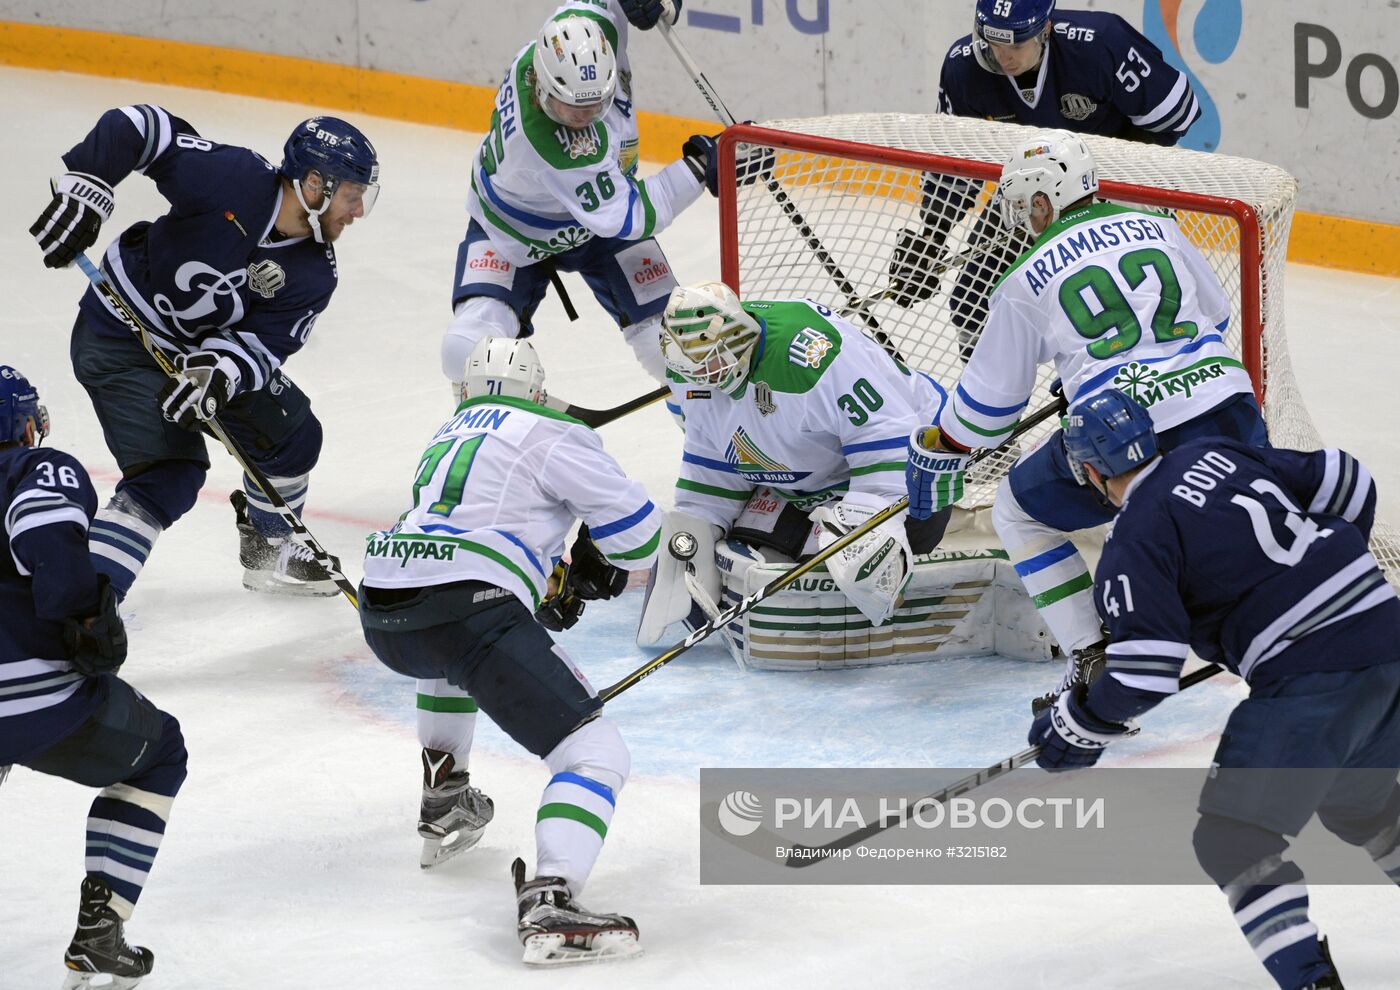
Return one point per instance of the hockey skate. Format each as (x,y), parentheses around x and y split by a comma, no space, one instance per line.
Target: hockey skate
(1084,668)
(1330,980)
(99,956)
(555,931)
(278,566)
(453,814)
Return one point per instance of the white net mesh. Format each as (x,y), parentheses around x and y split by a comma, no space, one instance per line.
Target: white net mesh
(863,190)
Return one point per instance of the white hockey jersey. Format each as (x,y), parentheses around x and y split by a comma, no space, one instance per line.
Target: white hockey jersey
(824,410)
(496,493)
(1116,298)
(539,188)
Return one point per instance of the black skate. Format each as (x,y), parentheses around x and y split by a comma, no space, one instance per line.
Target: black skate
(1084,668)
(453,814)
(278,566)
(98,956)
(555,931)
(1329,980)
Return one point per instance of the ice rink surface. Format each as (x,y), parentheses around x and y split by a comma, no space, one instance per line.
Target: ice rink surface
(291,856)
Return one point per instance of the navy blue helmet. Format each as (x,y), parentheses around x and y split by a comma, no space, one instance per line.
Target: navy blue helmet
(1010,22)
(1111,431)
(19,403)
(339,153)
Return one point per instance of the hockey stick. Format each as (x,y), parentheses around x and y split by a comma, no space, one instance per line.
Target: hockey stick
(938,270)
(775,187)
(801,855)
(599,417)
(143,334)
(780,582)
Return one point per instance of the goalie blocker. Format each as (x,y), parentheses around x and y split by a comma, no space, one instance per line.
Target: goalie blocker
(866,607)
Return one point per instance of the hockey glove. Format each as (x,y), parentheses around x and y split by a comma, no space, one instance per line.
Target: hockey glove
(912,278)
(206,383)
(1069,735)
(751,162)
(934,478)
(643,14)
(97,644)
(68,226)
(562,607)
(590,575)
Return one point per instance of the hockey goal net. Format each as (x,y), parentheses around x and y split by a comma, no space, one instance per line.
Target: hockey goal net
(844,188)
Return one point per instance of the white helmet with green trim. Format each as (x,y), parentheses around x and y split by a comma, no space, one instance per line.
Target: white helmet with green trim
(575,71)
(504,366)
(707,337)
(1056,163)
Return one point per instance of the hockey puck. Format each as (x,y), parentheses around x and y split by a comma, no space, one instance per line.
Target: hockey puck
(683,546)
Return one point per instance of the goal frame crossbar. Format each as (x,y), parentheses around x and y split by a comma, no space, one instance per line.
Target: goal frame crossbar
(1242,213)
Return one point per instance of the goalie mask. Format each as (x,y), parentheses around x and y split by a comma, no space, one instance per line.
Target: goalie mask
(1056,163)
(504,366)
(707,337)
(575,71)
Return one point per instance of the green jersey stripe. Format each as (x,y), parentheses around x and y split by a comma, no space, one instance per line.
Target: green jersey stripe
(645,550)
(703,489)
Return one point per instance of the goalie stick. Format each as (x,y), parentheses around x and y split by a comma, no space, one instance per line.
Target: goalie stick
(143,334)
(784,201)
(780,582)
(800,855)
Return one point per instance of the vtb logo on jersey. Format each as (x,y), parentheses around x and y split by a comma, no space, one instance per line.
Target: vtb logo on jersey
(266,277)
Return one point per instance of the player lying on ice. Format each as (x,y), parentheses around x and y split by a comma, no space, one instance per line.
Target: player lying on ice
(794,435)
(1112,296)
(1256,559)
(458,594)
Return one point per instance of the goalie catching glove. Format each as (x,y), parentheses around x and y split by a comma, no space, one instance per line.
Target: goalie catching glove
(69,225)
(873,571)
(206,383)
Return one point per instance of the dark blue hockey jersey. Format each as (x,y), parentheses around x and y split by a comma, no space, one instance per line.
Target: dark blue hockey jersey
(1098,76)
(212,273)
(1253,557)
(46,503)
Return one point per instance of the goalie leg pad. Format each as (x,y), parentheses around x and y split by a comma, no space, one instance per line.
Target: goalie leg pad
(688,543)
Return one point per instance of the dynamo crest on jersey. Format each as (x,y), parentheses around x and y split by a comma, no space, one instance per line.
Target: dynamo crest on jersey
(1077,106)
(265,277)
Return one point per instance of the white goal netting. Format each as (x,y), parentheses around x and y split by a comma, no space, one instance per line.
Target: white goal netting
(847,188)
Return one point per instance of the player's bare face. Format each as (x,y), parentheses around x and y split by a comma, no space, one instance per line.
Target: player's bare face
(1019,58)
(572,117)
(348,204)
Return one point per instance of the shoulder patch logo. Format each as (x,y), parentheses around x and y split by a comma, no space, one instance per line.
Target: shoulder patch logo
(763,399)
(809,347)
(266,277)
(578,144)
(1076,106)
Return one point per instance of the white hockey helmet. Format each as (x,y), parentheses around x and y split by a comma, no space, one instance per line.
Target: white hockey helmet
(707,337)
(1056,163)
(575,71)
(504,366)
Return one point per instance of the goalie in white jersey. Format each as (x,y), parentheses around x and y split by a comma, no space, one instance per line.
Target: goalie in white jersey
(554,186)
(455,594)
(795,427)
(1116,298)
